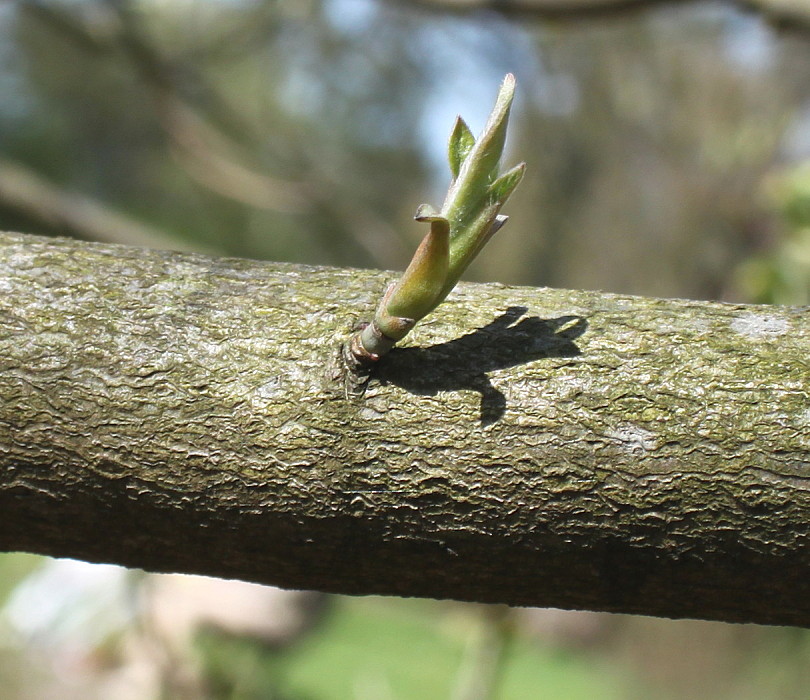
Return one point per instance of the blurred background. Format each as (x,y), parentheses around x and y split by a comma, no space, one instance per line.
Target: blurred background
(668,153)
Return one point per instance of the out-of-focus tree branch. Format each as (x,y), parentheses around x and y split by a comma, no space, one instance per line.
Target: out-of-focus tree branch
(201,150)
(25,192)
(538,9)
(204,135)
(207,155)
(785,13)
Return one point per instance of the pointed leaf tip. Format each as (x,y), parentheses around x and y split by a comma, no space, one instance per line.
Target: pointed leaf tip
(502,187)
(480,167)
(506,93)
(461,143)
(509,82)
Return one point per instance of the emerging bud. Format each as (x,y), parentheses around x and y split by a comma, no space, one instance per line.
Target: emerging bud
(468,218)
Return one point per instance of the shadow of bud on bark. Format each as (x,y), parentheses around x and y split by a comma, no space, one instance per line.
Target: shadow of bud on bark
(463,363)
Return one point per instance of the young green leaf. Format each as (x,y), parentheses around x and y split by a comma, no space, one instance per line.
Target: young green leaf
(461,143)
(480,167)
(500,190)
(469,217)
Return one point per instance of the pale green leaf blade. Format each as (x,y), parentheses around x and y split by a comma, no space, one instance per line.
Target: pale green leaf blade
(504,185)
(480,167)
(461,143)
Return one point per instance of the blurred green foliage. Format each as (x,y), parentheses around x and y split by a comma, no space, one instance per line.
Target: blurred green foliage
(310,131)
(411,650)
(782,275)
(13,569)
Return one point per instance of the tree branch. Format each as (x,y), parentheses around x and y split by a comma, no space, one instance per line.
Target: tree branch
(540,9)
(534,447)
(787,14)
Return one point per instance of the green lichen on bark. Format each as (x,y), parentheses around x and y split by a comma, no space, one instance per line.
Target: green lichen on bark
(539,447)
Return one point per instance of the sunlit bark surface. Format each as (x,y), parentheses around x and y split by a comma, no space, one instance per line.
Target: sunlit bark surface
(574,449)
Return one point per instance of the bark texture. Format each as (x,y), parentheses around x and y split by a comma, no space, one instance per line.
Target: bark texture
(530,446)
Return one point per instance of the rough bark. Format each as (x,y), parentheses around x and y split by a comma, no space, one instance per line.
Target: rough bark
(531,446)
